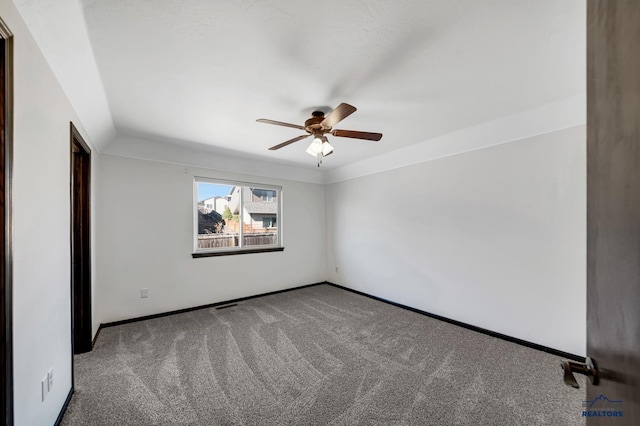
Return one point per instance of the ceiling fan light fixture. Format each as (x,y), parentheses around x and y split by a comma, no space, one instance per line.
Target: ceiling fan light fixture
(318,125)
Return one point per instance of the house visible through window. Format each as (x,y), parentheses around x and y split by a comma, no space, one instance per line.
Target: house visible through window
(234,216)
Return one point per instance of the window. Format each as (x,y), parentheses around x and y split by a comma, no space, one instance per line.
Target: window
(268,221)
(247,221)
(263,195)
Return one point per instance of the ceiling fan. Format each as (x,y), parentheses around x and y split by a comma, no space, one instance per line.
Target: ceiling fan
(319,125)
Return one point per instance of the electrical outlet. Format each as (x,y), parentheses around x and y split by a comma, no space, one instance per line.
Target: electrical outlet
(144,293)
(45,387)
(336,269)
(50,378)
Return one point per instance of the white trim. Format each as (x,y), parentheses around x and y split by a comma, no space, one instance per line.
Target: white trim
(188,156)
(195,215)
(237,183)
(562,114)
(240,218)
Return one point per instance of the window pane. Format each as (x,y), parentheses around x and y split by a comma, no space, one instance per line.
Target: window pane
(231,217)
(217,216)
(259,216)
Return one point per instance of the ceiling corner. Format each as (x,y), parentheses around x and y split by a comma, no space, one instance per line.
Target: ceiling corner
(71,58)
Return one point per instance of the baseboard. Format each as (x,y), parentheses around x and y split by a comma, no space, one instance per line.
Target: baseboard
(505,337)
(93,342)
(195,308)
(64,407)
(515,340)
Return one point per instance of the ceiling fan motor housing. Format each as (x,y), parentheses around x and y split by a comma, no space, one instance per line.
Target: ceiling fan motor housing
(312,125)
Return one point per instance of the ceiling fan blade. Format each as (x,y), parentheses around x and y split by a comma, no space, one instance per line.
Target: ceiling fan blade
(357,135)
(337,115)
(290,141)
(279,123)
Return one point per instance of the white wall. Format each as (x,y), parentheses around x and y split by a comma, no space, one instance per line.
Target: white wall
(144,247)
(41,217)
(494,237)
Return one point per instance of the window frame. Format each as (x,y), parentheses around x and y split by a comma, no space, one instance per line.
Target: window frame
(211,252)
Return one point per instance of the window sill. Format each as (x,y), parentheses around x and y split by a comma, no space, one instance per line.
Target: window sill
(234,252)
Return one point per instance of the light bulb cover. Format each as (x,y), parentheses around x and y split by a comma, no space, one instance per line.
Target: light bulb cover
(326,148)
(316,147)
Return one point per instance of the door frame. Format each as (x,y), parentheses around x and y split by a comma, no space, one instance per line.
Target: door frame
(80,171)
(613,206)
(6,267)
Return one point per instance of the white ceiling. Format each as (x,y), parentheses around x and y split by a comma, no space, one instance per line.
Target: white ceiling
(200,72)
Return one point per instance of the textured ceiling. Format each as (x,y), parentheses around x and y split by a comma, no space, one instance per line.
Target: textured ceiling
(202,71)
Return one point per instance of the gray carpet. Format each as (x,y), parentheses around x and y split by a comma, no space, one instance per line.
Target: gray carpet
(314,356)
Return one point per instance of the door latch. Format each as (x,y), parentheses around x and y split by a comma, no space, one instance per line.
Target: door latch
(587,368)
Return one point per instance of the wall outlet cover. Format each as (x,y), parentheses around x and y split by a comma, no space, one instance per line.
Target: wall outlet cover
(50,378)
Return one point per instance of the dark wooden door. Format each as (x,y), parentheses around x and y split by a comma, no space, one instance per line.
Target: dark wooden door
(613,207)
(6,294)
(80,243)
